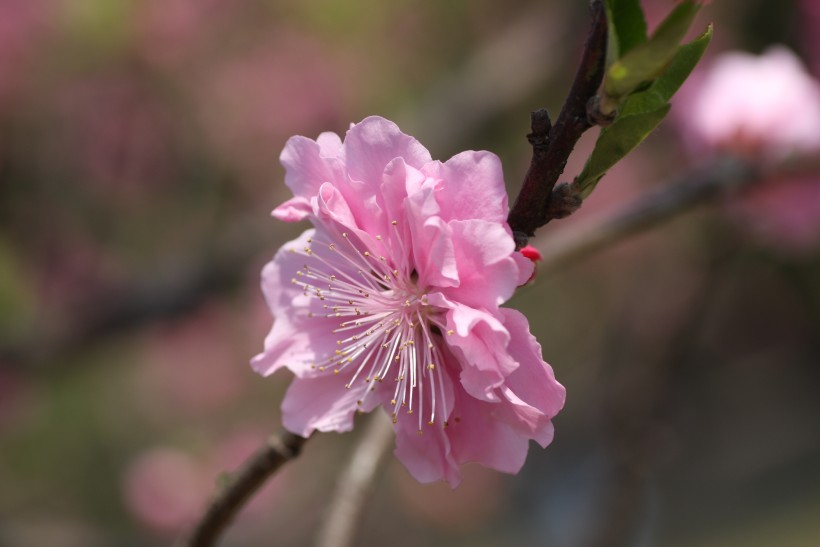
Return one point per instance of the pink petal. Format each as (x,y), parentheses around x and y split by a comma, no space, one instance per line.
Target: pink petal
(488,273)
(527,421)
(472,187)
(330,145)
(373,143)
(427,456)
(478,437)
(279,292)
(306,169)
(323,403)
(293,210)
(296,340)
(479,341)
(533,381)
(329,204)
(435,256)
(281,345)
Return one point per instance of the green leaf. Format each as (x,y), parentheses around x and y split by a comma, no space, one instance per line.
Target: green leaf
(670,80)
(626,17)
(646,60)
(615,142)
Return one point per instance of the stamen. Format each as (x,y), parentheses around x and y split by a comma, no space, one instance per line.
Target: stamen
(386,319)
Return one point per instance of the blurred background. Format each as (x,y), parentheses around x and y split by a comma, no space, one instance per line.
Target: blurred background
(139,144)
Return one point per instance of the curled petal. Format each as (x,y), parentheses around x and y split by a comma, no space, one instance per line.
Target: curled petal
(373,143)
(472,187)
(479,437)
(427,456)
(322,403)
(533,381)
(307,168)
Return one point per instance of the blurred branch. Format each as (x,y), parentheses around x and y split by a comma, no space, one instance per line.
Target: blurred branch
(355,486)
(552,144)
(646,396)
(659,205)
(279,449)
(176,286)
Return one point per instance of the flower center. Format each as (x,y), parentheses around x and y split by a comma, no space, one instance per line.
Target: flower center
(385,328)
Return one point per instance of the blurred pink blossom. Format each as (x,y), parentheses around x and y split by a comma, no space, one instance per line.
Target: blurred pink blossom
(764,109)
(23,25)
(750,105)
(188,365)
(783,213)
(252,99)
(392,300)
(118,134)
(166,489)
(171,32)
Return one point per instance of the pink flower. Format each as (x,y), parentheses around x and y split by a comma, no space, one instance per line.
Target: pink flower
(763,109)
(750,104)
(392,300)
(165,488)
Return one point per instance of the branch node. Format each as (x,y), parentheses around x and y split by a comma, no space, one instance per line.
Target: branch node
(564,200)
(596,114)
(541,126)
(520,239)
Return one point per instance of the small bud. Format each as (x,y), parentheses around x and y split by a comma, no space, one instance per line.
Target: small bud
(535,256)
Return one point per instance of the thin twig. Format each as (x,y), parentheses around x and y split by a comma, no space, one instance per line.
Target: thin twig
(657,206)
(356,484)
(552,144)
(279,449)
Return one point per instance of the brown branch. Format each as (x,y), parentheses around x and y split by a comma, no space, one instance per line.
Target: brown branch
(657,206)
(345,511)
(279,449)
(552,144)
